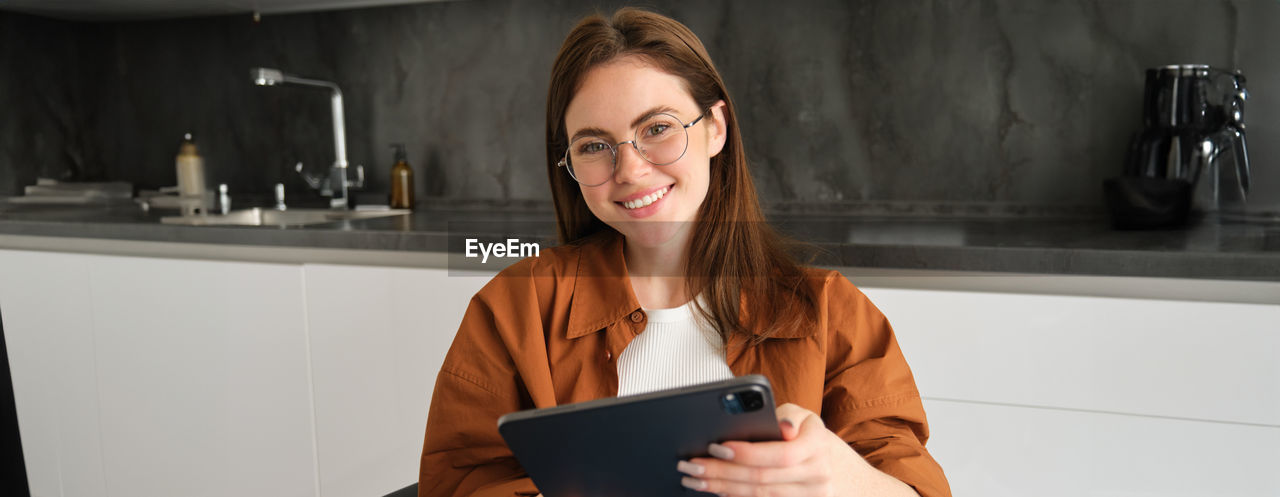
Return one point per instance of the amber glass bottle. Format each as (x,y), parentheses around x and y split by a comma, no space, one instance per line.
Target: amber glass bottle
(401,180)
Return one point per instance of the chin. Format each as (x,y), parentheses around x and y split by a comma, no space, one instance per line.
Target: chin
(651,233)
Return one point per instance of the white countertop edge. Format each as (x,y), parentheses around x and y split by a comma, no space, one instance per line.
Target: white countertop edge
(1187,289)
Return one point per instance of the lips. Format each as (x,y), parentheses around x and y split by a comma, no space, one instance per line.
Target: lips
(646,198)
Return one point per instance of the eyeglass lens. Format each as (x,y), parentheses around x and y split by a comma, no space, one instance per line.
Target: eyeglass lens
(661,140)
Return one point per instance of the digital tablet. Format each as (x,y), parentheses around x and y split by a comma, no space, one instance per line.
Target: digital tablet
(629,446)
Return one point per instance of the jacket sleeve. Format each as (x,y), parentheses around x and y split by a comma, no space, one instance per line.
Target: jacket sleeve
(463,454)
(870,399)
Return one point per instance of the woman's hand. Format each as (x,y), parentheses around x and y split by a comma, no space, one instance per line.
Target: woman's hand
(809,461)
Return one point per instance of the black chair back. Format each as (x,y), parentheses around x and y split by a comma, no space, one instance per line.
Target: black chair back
(13,471)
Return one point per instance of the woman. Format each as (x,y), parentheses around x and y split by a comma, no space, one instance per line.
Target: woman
(656,206)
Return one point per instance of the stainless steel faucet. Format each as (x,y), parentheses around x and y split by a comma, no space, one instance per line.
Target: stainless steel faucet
(337,183)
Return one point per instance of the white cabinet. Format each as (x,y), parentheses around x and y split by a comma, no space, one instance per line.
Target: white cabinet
(153,376)
(1004,451)
(202,373)
(46,303)
(1064,395)
(159,377)
(378,337)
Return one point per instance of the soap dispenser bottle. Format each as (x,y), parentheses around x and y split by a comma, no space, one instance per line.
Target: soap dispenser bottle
(401,180)
(190,169)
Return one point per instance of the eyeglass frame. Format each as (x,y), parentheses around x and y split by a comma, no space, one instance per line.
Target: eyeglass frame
(613,149)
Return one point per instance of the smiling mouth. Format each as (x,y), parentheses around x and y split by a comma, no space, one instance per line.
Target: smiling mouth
(645,200)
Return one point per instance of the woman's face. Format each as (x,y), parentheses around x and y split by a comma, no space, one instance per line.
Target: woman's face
(613,100)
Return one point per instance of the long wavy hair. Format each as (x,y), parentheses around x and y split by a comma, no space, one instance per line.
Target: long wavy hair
(733,252)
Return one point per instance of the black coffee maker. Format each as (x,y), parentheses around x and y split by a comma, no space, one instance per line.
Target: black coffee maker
(1190,154)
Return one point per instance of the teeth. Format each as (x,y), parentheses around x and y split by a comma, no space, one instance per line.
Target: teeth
(645,200)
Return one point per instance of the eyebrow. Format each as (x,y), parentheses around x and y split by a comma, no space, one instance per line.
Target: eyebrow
(659,109)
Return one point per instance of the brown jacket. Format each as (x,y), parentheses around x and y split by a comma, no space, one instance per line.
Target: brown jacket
(548,331)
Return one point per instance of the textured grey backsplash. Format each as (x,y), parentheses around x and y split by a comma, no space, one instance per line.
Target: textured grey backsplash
(1022,102)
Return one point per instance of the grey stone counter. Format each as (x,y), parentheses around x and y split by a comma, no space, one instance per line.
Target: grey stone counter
(1025,244)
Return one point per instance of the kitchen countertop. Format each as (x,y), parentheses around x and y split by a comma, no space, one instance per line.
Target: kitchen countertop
(945,239)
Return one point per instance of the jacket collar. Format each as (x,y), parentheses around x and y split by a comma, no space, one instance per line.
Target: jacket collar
(602,292)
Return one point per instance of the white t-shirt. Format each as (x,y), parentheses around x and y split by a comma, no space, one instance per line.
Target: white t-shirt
(674,350)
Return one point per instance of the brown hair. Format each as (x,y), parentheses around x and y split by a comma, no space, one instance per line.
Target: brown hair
(732,250)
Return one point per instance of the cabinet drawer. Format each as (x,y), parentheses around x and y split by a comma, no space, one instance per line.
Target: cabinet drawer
(1197,360)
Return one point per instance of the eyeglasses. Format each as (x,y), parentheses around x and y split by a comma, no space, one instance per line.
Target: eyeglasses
(662,139)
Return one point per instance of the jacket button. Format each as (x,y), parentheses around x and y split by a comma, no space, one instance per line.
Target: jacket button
(637,317)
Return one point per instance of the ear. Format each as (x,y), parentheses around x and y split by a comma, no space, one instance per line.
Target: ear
(718,131)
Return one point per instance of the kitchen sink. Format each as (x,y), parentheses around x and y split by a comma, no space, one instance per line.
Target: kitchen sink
(258,216)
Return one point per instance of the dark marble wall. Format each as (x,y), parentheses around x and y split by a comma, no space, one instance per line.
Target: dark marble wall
(44,113)
(1011,101)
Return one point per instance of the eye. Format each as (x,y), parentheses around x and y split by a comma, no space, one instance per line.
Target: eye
(592,147)
(657,129)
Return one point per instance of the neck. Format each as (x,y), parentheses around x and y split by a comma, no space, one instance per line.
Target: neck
(657,271)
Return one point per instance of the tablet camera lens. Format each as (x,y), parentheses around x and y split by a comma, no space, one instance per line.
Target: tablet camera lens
(743,401)
(731,404)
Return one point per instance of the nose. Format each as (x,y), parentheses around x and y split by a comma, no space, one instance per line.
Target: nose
(631,166)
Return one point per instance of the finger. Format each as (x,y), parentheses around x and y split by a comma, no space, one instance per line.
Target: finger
(738,489)
(766,454)
(796,414)
(789,429)
(706,468)
(811,437)
(812,426)
(791,411)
